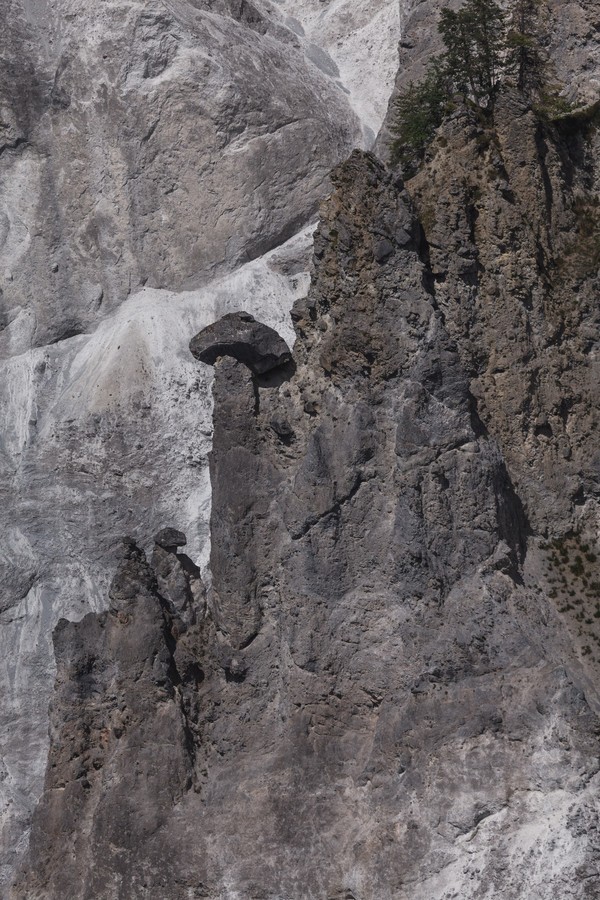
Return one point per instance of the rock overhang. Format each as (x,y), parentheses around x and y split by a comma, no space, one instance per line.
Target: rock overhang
(242,337)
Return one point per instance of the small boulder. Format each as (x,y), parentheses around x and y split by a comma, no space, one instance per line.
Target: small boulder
(170,539)
(241,336)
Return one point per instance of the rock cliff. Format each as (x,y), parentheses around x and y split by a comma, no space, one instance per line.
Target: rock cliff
(383,683)
(377,698)
(509,213)
(151,155)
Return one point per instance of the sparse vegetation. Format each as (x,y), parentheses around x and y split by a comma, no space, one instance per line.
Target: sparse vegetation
(582,587)
(483,47)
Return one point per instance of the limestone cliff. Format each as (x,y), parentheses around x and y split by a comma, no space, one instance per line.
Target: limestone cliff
(376,699)
(159,161)
(389,689)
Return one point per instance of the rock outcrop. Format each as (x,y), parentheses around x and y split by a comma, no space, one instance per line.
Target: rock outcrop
(205,121)
(509,210)
(123,757)
(151,155)
(386,708)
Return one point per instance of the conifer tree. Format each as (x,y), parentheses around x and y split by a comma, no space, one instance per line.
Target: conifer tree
(528,59)
(524,41)
(474,47)
(481,45)
(419,111)
(488,22)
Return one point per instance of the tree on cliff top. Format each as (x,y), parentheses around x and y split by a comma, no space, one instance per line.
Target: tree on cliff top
(482,46)
(471,63)
(474,41)
(528,60)
(419,111)
(524,40)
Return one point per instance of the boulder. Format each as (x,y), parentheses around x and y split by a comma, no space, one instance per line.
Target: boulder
(239,335)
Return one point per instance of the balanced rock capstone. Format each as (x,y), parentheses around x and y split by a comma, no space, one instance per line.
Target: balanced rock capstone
(239,335)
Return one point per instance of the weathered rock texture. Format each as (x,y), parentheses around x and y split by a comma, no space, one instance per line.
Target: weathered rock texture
(150,153)
(151,144)
(127,728)
(510,214)
(239,335)
(385,708)
(162,143)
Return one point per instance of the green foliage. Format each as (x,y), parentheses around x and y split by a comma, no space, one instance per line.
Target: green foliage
(526,59)
(474,40)
(420,110)
(471,64)
(482,46)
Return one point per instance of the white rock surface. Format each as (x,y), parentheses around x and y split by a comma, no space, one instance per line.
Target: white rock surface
(361,39)
(150,153)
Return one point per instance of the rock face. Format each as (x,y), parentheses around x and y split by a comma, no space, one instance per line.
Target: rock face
(378,498)
(375,701)
(509,212)
(205,121)
(117,673)
(151,154)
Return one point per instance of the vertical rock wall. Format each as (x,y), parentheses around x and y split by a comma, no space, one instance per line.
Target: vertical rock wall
(151,153)
(385,709)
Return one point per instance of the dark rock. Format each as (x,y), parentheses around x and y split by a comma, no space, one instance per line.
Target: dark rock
(120,759)
(170,539)
(239,335)
(383,249)
(282,428)
(179,582)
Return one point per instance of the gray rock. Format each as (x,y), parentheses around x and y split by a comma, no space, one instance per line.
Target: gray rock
(170,539)
(142,147)
(119,127)
(524,336)
(117,674)
(240,336)
(376,703)
(130,141)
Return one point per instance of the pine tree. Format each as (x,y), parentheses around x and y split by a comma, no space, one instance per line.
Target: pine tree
(419,111)
(488,24)
(455,29)
(529,62)
(526,58)
(481,46)
(474,40)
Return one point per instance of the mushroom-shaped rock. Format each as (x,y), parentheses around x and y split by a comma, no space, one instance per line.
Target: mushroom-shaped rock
(241,336)
(170,539)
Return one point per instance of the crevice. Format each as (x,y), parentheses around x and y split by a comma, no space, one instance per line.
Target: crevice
(333,510)
(19,142)
(542,150)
